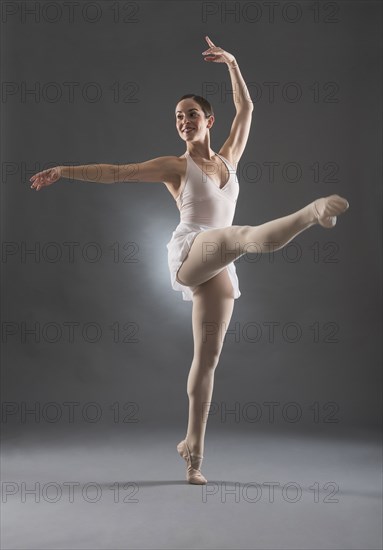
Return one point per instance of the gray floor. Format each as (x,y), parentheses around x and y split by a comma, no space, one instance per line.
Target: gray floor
(155,507)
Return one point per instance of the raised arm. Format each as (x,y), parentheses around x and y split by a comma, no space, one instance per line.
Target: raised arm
(235,144)
(159,169)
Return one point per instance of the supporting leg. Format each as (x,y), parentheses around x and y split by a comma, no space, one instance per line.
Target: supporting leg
(213,303)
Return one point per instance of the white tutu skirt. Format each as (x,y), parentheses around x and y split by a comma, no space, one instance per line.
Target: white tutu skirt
(178,248)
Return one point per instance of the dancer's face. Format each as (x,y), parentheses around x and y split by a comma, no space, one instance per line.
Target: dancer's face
(191,122)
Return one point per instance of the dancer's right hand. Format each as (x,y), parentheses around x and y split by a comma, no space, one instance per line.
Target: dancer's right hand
(46,177)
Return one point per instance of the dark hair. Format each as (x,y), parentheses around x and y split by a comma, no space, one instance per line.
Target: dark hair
(202,102)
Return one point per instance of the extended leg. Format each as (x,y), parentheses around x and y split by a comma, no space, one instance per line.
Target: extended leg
(214,249)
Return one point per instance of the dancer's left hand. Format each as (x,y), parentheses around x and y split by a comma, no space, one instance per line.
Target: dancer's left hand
(217,54)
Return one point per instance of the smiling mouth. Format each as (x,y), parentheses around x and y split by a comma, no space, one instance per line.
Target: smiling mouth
(187,130)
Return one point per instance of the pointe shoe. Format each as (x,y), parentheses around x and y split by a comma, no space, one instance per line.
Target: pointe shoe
(327,208)
(193,473)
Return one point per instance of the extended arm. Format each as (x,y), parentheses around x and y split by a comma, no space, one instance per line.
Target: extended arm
(159,169)
(235,144)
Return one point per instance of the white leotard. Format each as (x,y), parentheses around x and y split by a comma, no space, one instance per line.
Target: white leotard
(201,201)
(202,205)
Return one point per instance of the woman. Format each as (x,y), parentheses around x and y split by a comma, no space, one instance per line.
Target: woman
(205,244)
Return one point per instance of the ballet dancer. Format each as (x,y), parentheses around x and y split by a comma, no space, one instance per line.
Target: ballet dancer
(205,244)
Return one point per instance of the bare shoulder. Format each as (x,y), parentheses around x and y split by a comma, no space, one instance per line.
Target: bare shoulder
(227,154)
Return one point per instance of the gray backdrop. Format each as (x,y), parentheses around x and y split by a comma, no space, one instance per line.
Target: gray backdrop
(110,331)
